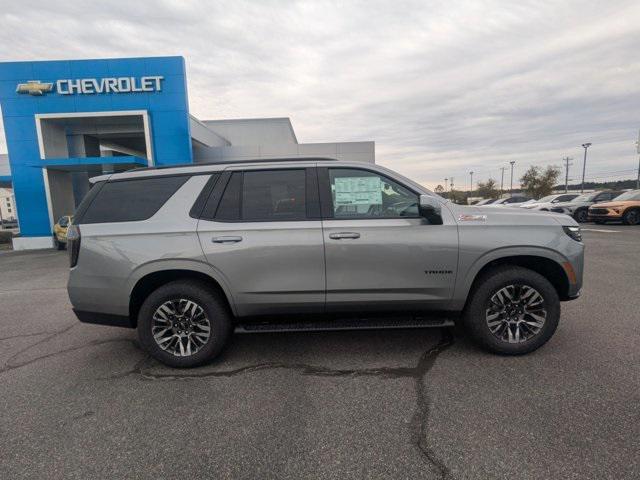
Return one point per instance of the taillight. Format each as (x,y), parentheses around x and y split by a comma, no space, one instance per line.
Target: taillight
(73,244)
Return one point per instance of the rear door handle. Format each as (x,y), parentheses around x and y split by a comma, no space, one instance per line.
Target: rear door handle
(226,239)
(343,235)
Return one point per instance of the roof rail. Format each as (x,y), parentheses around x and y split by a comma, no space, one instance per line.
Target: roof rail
(233,162)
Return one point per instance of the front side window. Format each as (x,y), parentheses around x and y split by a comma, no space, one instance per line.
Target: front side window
(363,194)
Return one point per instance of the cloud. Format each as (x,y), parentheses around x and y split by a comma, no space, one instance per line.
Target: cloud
(442,87)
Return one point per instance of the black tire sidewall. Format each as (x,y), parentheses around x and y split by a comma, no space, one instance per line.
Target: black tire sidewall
(582,212)
(625,217)
(493,281)
(215,309)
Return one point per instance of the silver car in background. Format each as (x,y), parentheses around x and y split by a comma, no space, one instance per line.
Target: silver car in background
(546,203)
(188,255)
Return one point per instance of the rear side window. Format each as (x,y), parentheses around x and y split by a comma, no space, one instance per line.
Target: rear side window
(131,200)
(264,196)
(274,195)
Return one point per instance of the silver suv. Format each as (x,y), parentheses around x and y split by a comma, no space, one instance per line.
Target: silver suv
(189,254)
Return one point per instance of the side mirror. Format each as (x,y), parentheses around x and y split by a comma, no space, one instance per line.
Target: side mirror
(430,208)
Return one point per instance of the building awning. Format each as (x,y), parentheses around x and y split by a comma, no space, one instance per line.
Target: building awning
(84,164)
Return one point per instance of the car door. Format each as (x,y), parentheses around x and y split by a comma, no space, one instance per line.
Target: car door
(380,254)
(261,231)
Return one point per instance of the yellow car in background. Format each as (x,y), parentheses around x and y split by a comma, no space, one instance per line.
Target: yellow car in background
(60,232)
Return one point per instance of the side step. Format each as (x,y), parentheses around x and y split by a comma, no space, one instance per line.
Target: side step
(345,324)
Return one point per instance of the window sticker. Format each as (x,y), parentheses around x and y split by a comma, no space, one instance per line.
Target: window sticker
(358,191)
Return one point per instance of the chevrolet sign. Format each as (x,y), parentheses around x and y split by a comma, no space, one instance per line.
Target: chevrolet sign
(94,85)
(34,87)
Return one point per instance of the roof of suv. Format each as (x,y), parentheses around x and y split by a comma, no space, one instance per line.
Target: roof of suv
(195,168)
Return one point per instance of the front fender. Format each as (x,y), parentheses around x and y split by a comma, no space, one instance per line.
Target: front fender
(465,280)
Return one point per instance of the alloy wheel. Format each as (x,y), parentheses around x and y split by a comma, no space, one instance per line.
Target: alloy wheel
(516,313)
(180,327)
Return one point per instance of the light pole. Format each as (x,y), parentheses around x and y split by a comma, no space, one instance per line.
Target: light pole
(638,151)
(471,188)
(512,162)
(451,184)
(584,164)
(502,180)
(445,183)
(566,176)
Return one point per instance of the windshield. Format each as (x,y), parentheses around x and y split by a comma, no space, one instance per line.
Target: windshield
(632,195)
(586,197)
(548,198)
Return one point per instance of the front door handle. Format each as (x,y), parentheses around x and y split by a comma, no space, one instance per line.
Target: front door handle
(226,239)
(343,235)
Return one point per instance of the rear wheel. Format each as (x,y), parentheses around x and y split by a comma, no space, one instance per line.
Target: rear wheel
(581,215)
(631,217)
(184,324)
(513,311)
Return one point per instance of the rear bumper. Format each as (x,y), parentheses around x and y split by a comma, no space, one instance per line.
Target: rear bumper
(98,318)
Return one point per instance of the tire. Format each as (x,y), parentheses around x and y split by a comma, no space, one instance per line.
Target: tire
(581,215)
(478,314)
(212,309)
(631,217)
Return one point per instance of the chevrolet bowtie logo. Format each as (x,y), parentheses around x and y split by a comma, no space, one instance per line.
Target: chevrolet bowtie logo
(34,87)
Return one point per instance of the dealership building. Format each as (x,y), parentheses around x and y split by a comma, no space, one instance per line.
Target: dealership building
(66,121)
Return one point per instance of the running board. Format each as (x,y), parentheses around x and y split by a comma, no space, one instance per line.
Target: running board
(346,324)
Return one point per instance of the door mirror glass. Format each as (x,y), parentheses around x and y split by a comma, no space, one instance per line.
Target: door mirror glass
(430,209)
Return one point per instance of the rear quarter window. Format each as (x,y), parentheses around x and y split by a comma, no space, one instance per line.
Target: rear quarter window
(130,200)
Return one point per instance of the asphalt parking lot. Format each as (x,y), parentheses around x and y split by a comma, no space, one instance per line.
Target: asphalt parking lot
(83,401)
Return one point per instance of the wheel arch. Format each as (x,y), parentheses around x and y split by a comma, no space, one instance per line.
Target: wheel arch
(160,274)
(547,263)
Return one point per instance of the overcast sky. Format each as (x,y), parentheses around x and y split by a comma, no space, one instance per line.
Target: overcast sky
(442,87)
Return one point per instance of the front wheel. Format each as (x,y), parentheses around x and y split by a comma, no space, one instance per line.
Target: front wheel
(184,324)
(631,217)
(581,216)
(512,311)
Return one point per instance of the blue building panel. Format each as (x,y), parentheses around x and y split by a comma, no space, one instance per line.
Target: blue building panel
(167,108)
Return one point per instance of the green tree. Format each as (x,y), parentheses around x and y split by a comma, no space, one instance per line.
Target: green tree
(488,189)
(538,183)
(457,197)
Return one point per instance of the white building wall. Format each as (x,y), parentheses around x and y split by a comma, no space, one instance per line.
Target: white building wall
(345,151)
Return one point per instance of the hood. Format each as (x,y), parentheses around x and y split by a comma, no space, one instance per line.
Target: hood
(507,216)
(623,203)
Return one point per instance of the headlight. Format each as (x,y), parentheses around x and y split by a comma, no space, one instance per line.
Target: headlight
(573,232)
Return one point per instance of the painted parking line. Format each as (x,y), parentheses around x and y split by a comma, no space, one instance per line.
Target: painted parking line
(601,230)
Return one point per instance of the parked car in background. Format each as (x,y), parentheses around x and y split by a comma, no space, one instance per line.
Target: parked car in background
(486,201)
(545,203)
(625,207)
(188,254)
(60,232)
(514,201)
(578,208)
